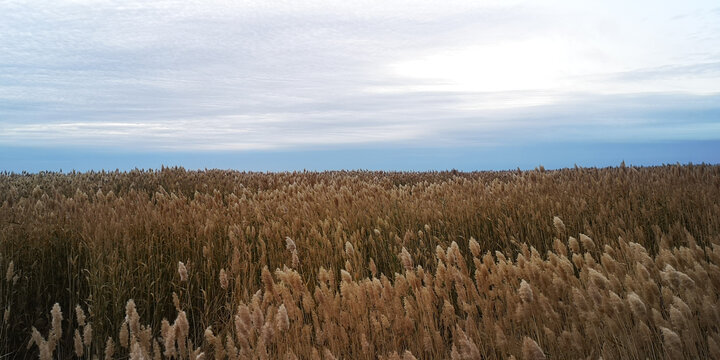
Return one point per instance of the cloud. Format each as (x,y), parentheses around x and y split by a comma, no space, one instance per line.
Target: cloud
(294,75)
(398,119)
(702,70)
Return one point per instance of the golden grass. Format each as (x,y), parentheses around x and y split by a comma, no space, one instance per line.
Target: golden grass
(572,264)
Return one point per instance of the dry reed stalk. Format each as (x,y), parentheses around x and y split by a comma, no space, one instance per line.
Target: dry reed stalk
(383,274)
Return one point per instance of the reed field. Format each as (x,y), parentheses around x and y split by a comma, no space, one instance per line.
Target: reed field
(582,263)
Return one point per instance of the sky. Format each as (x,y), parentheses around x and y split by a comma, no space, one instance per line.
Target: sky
(386,85)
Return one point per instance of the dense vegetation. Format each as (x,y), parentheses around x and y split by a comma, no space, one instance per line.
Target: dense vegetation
(568,264)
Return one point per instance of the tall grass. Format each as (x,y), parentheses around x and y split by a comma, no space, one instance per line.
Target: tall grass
(576,263)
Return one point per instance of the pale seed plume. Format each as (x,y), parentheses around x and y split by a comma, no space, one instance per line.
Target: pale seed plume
(531,350)
(182,270)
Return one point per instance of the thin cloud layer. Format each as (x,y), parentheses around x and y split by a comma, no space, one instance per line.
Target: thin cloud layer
(286,75)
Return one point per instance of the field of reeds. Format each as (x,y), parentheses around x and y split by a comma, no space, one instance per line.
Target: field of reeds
(614,263)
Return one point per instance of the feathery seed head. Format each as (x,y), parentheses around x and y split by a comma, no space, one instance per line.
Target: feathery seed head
(407,355)
(406,259)
(124,334)
(109,349)
(79,316)
(10,271)
(574,245)
(87,334)
(474,247)
(223,279)
(525,292)
(57,317)
(289,244)
(295,259)
(587,242)
(672,343)
(531,350)
(182,270)
(637,306)
(349,249)
(282,320)
(78,344)
(176,301)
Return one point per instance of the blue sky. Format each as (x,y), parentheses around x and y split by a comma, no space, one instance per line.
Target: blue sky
(408,85)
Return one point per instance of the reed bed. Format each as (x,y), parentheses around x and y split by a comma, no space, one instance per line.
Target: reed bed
(614,263)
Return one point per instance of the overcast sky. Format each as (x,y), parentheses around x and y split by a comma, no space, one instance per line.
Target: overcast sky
(412,84)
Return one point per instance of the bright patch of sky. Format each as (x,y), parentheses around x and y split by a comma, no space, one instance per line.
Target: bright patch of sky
(303,75)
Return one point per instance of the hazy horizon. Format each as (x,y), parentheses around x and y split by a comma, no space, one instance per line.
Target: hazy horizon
(552,156)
